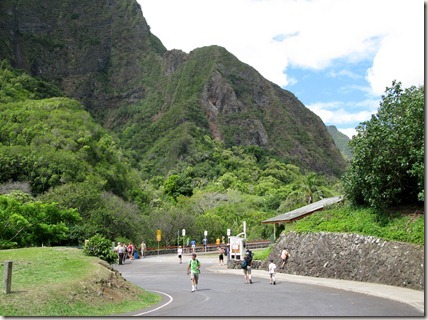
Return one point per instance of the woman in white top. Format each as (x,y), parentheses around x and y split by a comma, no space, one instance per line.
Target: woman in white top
(180,253)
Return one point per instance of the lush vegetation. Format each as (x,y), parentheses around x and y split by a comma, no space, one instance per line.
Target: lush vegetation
(98,246)
(52,149)
(80,182)
(400,224)
(25,222)
(387,168)
(342,142)
(63,282)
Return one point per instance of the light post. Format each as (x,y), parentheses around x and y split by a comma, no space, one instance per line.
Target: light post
(228,244)
(205,238)
(183,233)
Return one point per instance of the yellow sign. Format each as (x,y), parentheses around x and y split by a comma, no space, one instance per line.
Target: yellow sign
(158,235)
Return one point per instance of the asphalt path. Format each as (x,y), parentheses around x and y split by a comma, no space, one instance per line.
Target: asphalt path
(222,294)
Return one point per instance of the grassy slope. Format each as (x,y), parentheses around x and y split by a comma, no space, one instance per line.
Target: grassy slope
(63,282)
(404,224)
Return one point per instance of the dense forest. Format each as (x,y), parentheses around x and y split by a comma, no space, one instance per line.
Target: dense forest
(53,149)
(75,180)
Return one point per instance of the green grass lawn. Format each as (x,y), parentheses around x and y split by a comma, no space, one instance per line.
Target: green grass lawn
(63,282)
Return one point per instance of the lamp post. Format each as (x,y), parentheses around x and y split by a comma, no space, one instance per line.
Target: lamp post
(205,238)
(183,233)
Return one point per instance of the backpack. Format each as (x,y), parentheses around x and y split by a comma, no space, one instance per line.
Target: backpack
(244,264)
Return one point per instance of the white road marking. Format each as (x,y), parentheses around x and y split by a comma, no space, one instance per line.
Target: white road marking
(160,307)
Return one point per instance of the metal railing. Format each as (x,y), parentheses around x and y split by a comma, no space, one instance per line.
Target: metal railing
(210,248)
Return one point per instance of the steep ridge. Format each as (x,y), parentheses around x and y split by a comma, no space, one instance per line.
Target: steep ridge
(161,103)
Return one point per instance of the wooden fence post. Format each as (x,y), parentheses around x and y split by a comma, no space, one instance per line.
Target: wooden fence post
(7,280)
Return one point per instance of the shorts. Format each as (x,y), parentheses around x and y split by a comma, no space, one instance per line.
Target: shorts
(194,276)
(179,256)
(247,271)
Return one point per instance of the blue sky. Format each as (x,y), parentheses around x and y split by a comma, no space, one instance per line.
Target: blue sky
(336,56)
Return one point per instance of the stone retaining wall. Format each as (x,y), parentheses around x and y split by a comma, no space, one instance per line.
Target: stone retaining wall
(350,257)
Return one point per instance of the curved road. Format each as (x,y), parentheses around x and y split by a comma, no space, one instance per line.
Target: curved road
(223,294)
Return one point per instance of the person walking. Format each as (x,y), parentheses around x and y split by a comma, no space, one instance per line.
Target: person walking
(284,256)
(246,267)
(130,251)
(124,250)
(220,256)
(272,269)
(119,249)
(180,253)
(143,249)
(194,269)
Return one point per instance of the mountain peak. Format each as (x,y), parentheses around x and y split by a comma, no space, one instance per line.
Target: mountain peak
(160,102)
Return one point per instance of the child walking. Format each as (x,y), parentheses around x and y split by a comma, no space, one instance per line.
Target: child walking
(272,269)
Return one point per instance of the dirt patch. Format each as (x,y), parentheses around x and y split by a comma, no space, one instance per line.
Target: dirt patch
(106,286)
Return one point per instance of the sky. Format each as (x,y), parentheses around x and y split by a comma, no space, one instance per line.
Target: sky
(336,56)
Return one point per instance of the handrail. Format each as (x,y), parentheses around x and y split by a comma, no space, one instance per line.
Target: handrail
(202,249)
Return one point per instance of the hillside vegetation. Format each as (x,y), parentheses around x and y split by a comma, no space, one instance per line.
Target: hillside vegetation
(104,131)
(53,149)
(342,141)
(405,224)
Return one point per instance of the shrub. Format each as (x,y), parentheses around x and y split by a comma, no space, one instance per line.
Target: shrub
(100,247)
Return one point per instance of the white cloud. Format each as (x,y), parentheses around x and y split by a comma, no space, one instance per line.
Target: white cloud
(337,113)
(272,34)
(350,132)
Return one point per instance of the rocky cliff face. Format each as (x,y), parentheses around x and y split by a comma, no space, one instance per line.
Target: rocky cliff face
(102,53)
(91,49)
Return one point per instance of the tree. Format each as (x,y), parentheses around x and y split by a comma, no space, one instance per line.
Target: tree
(176,185)
(25,222)
(388,164)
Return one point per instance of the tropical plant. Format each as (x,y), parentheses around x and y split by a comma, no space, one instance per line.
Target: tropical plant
(26,222)
(388,152)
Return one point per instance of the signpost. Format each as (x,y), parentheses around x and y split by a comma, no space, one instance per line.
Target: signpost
(205,239)
(183,233)
(158,237)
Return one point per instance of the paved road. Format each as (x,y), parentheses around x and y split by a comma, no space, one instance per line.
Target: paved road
(222,292)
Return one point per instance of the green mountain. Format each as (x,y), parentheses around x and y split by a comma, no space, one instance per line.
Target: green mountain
(341,140)
(161,104)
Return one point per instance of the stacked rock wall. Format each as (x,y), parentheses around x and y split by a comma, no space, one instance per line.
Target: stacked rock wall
(350,257)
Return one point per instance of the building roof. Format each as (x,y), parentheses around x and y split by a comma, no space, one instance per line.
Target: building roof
(303,211)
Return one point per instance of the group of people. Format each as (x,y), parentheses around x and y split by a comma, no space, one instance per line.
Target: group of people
(246,266)
(272,266)
(129,251)
(194,266)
